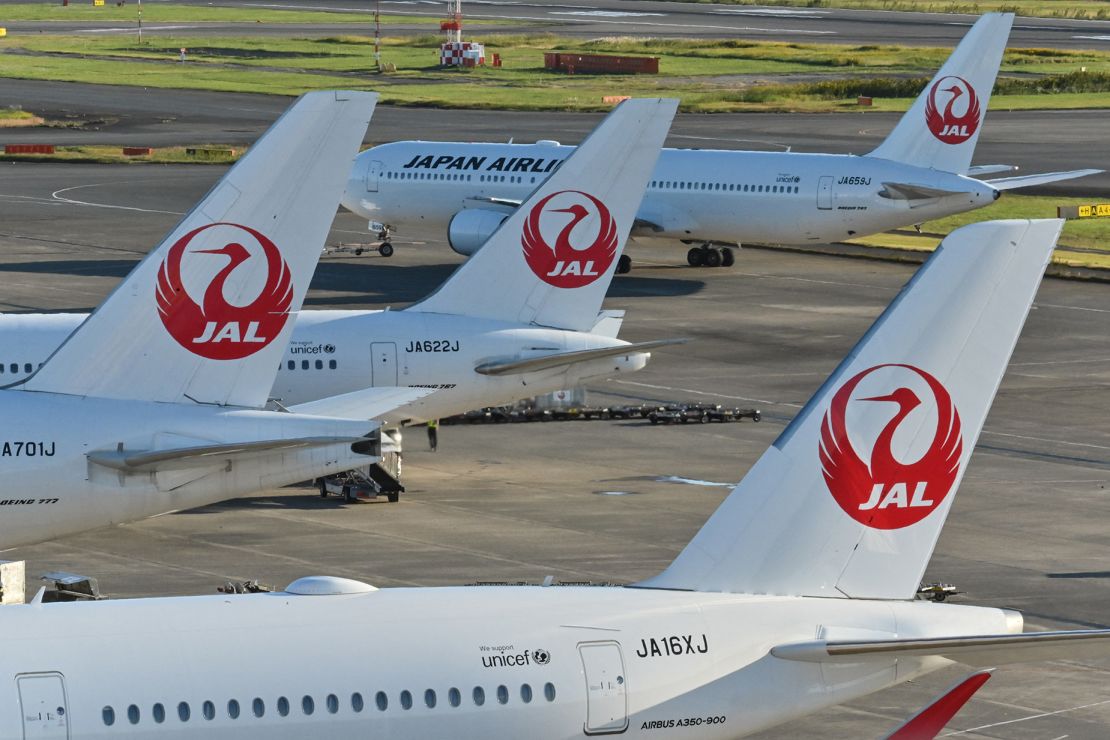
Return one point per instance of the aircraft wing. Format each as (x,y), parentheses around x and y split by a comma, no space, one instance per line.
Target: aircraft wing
(989,169)
(561,359)
(490,200)
(909,191)
(984,650)
(1027,181)
(368,403)
(179,458)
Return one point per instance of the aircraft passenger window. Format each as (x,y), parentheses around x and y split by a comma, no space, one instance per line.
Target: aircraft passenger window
(133,714)
(292,365)
(108,715)
(454,698)
(406,699)
(319,364)
(745,188)
(183,711)
(307,705)
(526,693)
(14,367)
(159,713)
(549,691)
(381,700)
(304,364)
(332,364)
(258,707)
(430,698)
(502,694)
(208,709)
(332,703)
(356,702)
(233,709)
(26,367)
(761,188)
(283,706)
(479,695)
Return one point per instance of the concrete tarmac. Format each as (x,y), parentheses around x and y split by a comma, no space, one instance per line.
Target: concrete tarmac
(615,501)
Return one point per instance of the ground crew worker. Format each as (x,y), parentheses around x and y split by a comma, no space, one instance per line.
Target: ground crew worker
(433,433)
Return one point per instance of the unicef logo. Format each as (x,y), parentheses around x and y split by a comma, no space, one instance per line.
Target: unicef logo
(329,349)
(541,657)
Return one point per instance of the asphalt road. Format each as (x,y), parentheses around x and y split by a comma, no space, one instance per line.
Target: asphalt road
(1037,141)
(615,501)
(594,18)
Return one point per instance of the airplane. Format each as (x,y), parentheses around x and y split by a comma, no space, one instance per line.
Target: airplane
(155,403)
(797,594)
(717,199)
(500,329)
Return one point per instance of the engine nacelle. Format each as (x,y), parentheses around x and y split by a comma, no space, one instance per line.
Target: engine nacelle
(470,227)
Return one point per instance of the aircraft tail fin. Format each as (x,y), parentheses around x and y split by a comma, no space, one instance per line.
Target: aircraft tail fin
(550,263)
(850,499)
(941,128)
(205,317)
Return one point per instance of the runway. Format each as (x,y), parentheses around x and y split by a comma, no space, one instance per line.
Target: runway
(597,18)
(132,116)
(599,501)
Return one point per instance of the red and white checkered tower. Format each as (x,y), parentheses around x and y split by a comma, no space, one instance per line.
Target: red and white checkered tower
(452,26)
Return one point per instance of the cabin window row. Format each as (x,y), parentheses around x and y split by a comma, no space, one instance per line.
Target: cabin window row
(309,364)
(514,179)
(727,186)
(283,706)
(13,368)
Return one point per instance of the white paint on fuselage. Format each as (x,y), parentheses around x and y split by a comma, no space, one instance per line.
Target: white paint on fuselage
(695,194)
(683,656)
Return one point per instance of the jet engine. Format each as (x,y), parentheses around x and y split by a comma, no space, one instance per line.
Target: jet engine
(470,227)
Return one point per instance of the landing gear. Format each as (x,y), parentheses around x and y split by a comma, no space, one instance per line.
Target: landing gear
(710,256)
(386,249)
(624,264)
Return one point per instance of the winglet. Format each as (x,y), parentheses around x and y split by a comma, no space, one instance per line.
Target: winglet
(927,724)
(205,316)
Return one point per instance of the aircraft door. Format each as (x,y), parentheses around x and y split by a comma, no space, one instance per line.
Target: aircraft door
(373,172)
(824,193)
(606,688)
(42,701)
(383,365)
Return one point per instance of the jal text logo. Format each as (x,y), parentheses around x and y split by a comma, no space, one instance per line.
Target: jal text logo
(585,239)
(890,490)
(958,119)
(224,273)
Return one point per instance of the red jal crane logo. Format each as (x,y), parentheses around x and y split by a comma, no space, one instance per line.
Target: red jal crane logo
(888,493)
(948,125)
(216,328)
(578,256)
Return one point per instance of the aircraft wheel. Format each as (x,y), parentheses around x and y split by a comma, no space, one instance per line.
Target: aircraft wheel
(323,488)
(712,258)
(728,257)
(393,497)
(624,264)
(694,257)
(386,249)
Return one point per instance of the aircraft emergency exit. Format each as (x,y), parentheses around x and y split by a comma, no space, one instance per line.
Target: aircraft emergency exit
(514,322)
(797,594)
(155,402)
(716,199)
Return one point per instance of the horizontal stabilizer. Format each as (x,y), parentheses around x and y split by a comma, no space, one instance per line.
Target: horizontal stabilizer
(909,191)
(927,724)
(982,650)
(180,458)
(563,359)
(1028,181)
(608,323)
(368,403)
(989,169)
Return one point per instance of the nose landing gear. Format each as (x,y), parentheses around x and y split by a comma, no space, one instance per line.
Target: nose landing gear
(710,256)
(385,249)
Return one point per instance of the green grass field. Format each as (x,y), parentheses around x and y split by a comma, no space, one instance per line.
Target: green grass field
(114,155)
(1090,9)
(708,76)
(83,10)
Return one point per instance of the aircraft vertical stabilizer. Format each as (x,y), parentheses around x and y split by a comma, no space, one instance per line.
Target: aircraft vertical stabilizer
(550,263)
(942,127)
(850,499)
(206,316)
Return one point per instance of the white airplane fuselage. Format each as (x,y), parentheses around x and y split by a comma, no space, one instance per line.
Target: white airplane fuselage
(535,662)
(694,195)
(336,352)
